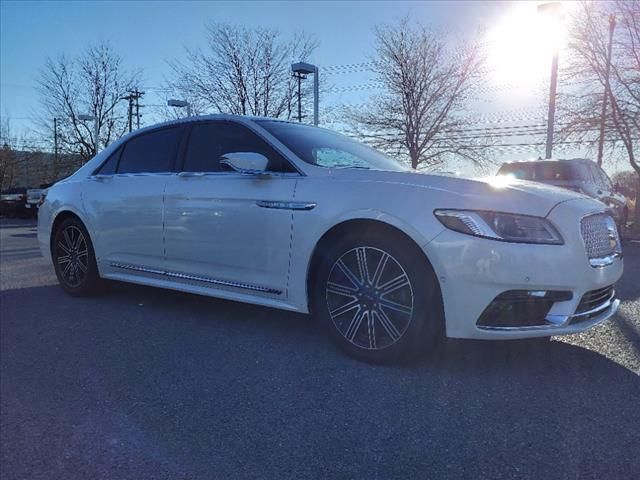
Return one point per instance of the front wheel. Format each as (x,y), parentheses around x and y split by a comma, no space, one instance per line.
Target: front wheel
(74,259)
(379,298)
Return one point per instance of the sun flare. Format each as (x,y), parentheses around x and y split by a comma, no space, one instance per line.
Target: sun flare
(521,44)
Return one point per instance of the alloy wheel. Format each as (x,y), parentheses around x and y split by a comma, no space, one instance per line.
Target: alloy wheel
(369,298)
(72,256)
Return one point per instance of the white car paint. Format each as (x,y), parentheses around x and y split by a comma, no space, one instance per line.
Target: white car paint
(210,226)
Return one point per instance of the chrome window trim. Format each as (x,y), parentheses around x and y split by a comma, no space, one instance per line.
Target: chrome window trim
(197,278)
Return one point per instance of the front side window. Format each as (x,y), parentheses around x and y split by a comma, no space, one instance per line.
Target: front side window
(209,142)
(150,152)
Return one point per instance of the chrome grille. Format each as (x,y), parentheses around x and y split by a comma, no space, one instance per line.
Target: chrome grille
(600,235)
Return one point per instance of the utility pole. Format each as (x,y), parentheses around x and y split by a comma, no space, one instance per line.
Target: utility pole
(55,142)
(552,10)
(137,97)
(605,98)
(134,102)
(552,104)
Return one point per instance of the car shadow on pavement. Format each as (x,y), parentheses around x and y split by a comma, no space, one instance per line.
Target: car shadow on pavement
(198,388)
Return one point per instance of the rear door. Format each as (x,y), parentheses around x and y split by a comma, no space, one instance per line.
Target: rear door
(125,201)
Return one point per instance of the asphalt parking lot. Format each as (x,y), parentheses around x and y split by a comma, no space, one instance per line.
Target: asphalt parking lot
(143,383)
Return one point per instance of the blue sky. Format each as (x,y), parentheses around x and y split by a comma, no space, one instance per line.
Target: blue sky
(147,34)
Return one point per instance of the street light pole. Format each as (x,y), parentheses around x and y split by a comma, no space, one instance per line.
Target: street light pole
(553,10)
(302,68)
(552,105)
(180,104)
(612,26)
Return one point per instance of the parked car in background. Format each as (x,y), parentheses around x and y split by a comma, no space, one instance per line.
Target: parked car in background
(578,174)
(35,197)
(13,202)
(301,218)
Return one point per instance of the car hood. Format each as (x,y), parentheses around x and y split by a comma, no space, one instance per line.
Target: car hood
(489,193)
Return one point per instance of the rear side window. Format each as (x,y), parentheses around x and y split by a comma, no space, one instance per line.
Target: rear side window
(109,167)
(208,142)
(150,152)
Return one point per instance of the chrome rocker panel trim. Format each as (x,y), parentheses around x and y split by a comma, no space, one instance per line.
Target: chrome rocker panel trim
(197,278)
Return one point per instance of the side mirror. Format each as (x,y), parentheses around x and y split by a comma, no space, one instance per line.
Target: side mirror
(246,162)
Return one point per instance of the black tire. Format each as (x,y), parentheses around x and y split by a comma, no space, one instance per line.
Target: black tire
(74,260)
(365,321)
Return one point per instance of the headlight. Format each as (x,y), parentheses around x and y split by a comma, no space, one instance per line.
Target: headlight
(506,227)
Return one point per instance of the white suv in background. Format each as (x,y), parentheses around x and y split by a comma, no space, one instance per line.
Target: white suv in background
(577,174)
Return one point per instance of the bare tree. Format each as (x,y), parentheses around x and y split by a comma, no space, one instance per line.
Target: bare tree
(425,88)
(586,74)
(242,71)
(93,83)
(7,165)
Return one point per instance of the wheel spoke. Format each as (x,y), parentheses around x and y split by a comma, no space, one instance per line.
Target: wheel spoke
(349,274)
(387,324)
(67,239)
(371,330)
(64,259)
(395,306)
(83,253)
(67,269)
(82,267)
(380,269)
(64,248)
(79,240)
(395,284)
(361,256)
(345,308)
(339,289)
(355,323)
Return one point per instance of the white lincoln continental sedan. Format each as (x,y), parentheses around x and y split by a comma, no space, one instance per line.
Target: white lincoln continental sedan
(303,219)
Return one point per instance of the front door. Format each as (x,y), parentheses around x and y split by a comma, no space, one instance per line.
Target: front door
(224,229)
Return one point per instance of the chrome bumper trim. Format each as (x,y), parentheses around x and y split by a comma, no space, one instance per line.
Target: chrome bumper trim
(604,261)
(606,310)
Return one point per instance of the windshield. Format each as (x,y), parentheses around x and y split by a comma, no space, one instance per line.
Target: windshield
(325,148)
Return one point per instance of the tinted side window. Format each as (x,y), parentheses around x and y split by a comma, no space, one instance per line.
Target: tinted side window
(150,152)
(109,167)
(208,142)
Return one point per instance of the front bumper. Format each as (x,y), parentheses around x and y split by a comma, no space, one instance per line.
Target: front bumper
(474,271)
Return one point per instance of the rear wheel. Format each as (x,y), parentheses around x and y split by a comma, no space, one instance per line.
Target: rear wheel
(73,258)
(378,297)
